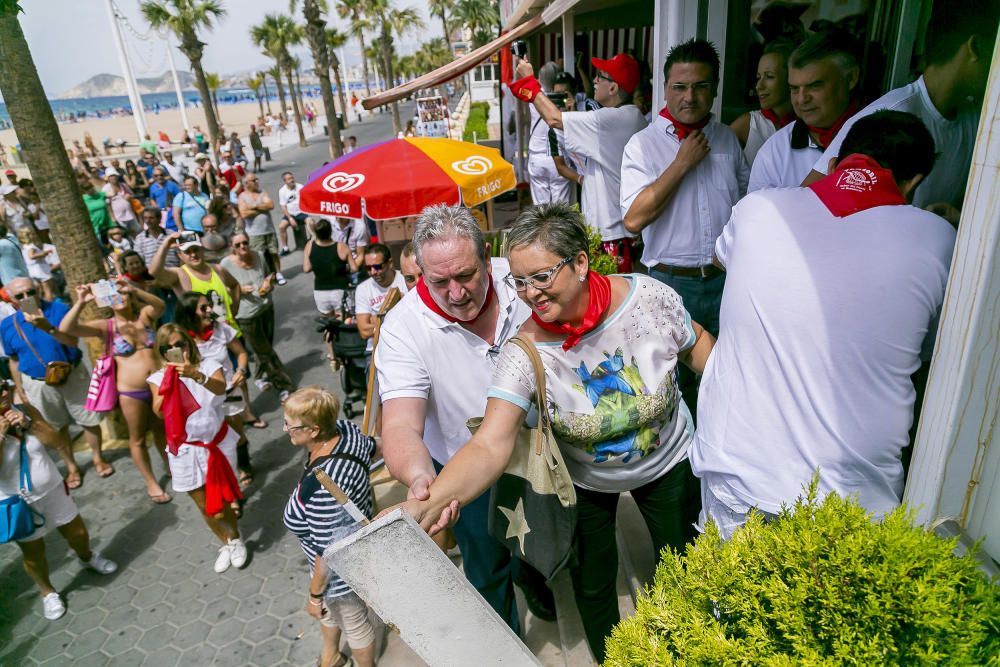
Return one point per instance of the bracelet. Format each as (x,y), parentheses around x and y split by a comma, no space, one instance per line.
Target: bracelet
(245,371)
(315,603)
(316,596)
(203,380)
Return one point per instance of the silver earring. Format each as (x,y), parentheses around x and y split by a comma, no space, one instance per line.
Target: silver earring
(582,278)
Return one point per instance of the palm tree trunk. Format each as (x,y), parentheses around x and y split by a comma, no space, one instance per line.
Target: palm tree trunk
(281,94)
(397,127)
(211,118)
(364,67)
(267,95)
(45,154)
(316,34)
(215,103)
(260,102)
(295,107)
(447,37)
(335,66)
(298,88)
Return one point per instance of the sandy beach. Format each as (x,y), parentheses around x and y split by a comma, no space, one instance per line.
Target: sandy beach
(235,117)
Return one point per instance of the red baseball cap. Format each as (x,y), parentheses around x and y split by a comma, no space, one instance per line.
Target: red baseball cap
(623,68)
(10,172)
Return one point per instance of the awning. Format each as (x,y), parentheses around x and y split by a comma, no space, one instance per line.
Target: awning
(453,69)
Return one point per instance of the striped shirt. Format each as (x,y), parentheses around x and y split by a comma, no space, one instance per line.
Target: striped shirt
(312,514)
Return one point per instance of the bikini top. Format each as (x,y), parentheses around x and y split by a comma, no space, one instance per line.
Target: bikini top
(123,347)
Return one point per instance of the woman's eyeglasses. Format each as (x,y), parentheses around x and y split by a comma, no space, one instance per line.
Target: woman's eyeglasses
(288,428)
(540,280)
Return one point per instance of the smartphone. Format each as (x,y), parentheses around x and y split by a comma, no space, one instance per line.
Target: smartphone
(188,237)
(29,305)
(106,294)
(519,48)
(175,355)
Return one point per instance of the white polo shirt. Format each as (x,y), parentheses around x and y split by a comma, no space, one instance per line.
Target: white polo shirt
(599,137)
(778,164)
(954,141)
(685,233)
(354,235)
(422,355)
(823,321)
(289,198)
(369,296)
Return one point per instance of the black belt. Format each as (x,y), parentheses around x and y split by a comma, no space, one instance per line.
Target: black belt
(703,272)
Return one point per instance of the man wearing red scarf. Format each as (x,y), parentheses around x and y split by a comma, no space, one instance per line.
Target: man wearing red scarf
(435,360)
(822,74)
(680,179)
(832,297)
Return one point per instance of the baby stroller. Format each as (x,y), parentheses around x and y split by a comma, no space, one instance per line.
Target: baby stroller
(349,353)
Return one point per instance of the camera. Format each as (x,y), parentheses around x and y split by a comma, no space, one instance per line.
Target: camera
(519,48)
(188,237)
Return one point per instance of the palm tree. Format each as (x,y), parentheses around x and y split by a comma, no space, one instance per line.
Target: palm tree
(254,83)
(184,18)
(374,55)
(263,84)
(439,8)
(44,153)
(274,35)
(214,82)
(355,10)
(431,55)
(390,19)
(480,16)
(296,70)
(275,73)
(316,35)
(334,40)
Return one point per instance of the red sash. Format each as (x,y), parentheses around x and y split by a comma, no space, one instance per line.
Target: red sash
(221,487)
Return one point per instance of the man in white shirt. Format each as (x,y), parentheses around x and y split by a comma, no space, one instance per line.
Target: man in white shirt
(947,98)
(176,170)
(680,179)
(831,302)
(292,215)
(598,137)
(822,75)
(371,293)
(355,234)
(435,359)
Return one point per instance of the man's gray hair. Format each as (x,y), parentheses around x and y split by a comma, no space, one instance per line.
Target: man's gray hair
(834,44)
(441,222)
(547,76)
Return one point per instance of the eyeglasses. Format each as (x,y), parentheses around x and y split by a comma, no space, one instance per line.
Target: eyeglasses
(375,267)
(540,280)
(23,295)
(602,75)
(700,87)
(241,244)
(287,428)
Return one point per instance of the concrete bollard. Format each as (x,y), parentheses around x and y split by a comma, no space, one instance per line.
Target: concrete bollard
(409,582)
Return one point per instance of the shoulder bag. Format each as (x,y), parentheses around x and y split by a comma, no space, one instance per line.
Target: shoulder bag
(56,372)
(17,519)
(534,501)
(102,394)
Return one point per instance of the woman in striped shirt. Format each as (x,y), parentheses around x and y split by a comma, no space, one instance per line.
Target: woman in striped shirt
(340,449)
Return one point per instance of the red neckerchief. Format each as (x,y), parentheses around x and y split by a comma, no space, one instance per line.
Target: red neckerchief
(178,405)
(425,296)
(203,336)
(599,300)
(825,135)
(138,278)
(684,129)
(221,487)
(778,121)
(858,183)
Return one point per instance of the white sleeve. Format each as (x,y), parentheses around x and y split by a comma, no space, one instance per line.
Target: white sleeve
(581,130)
(724,244)
(363,298)
(762,173)
(283,196)
(401,370)
(634,176)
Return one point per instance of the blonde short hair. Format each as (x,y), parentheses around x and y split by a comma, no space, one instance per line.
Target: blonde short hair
(315,406)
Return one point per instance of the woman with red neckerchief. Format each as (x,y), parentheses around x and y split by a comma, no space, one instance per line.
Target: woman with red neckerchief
(610,348)
(753,128)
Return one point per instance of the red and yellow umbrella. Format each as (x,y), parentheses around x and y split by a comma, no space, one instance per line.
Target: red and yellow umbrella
(400,177)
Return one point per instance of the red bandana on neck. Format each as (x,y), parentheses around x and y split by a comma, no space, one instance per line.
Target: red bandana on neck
(204,335)
(778,121)
(599,300)
(825,135)
(428,300)
(684,129)
(858,183)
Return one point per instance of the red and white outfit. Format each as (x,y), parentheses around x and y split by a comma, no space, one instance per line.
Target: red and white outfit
(831,299)
(200,435)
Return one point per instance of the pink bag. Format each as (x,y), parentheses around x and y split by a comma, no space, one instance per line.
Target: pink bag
(102,395)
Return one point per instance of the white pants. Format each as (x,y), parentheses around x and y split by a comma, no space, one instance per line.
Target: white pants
(547,185)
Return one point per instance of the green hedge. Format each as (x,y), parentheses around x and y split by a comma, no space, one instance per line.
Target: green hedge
(478,113)
(821,585)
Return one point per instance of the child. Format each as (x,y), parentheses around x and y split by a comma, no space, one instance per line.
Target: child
(35,257)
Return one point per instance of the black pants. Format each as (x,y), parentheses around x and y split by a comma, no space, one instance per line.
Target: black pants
(669,505)
(258,335)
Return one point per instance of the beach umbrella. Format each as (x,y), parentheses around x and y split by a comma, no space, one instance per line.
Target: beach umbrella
(400,177)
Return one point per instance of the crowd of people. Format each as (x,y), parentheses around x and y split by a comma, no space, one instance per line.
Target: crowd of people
(780,282)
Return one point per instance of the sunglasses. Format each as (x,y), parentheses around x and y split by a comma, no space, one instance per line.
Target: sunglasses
(375,267)
(241,244)
(23,295)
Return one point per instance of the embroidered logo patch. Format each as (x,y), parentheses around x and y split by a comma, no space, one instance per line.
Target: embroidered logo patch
(857,180)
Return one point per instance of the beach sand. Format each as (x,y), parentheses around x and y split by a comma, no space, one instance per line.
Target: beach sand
(235,117)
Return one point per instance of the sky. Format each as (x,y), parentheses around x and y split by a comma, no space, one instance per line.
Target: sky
(82,31)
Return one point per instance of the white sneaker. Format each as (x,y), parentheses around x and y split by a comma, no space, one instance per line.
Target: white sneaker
(53,606)
(283,395)
(100,564)
(237,553)
(224,560)
(280,279)
(262,385)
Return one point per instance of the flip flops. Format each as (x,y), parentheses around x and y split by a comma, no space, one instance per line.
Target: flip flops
(74,480)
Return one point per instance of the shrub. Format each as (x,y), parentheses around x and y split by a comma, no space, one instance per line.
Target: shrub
(821,585)
(599,262)
(478,113)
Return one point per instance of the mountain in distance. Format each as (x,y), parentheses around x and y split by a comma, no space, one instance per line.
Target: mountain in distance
(111,85)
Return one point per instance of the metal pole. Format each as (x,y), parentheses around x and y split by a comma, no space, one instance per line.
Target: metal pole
(177,83)
(133,93)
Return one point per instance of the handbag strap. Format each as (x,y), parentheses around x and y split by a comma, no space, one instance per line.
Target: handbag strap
(25,339)
(108,337)
(25,470)
(544,423)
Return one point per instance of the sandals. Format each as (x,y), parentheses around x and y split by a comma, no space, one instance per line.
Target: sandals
(107,471)
(260,423)
(74,480)
(246,478)
(161,499)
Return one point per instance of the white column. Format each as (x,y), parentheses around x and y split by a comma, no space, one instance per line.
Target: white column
(569,50)
(718,14)
(669,29)
(133,94)
(956,458)
(177,83)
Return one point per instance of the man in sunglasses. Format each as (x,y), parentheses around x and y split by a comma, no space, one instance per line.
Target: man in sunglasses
(371,292)
(32,340)
(598,138)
